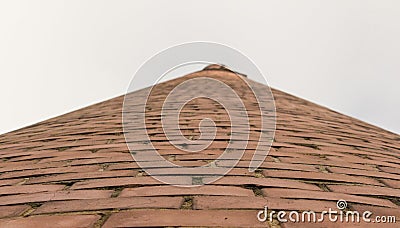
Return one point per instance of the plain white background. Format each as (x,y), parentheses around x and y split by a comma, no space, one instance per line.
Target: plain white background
(58,56)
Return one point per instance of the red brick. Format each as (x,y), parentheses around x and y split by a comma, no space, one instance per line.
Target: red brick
(10,190)
(38,154)
(321,195)
(288,166)
(391,183)
(320,176)
(93,161)
(110,203)
(122,165)
(365,190)
(240,202)
(82,155)
(390,170)
(51,221)
(265,182)
(29,173)
(52,196)
(364,173)
(365,161)
(15,154)
(13,211)
(170,190)
(204,218)
(319,161)
(9,182)
(115,182)
(82,176)
(176,172)
(18,166)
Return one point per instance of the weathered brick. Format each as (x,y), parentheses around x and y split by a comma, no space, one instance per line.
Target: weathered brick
(288,166)
(240,202)
(321,195)
(204,218)
(365,190)
(365,173)
(29,173)
(52,196)
(265,182)
(110,203)
(82,176)
(115,182)
(51,221)
(9,182)
(170,190)
(10,190)
(390,170)
(320,176)
(391,183)
(13,211)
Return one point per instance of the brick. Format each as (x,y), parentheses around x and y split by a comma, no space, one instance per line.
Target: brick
(83,155)
(9,182)
(265,182)
(240,202)
(318,161)
(93,161)
(41,155)
(9,166)
(19,166)
(115,182)
(110,203)
(391,183)
(390,170)
(29,173)
(15,154)
(66,221)
(321,195)
(204,218)
(52,196)
(122,165)
(171,191)
(365,190)
(365,161)
(209,172)
(288,166)
(13,211)
(320,176)
(364,173)
(82,176)
(11,190)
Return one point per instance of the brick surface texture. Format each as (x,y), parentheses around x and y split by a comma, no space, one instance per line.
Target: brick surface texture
(75,170)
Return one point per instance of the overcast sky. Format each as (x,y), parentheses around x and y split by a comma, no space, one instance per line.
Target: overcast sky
(59,56)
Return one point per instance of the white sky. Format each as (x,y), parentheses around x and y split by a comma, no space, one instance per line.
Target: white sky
(59,56)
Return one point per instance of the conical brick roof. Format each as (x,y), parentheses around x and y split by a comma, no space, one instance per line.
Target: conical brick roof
(75,170)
